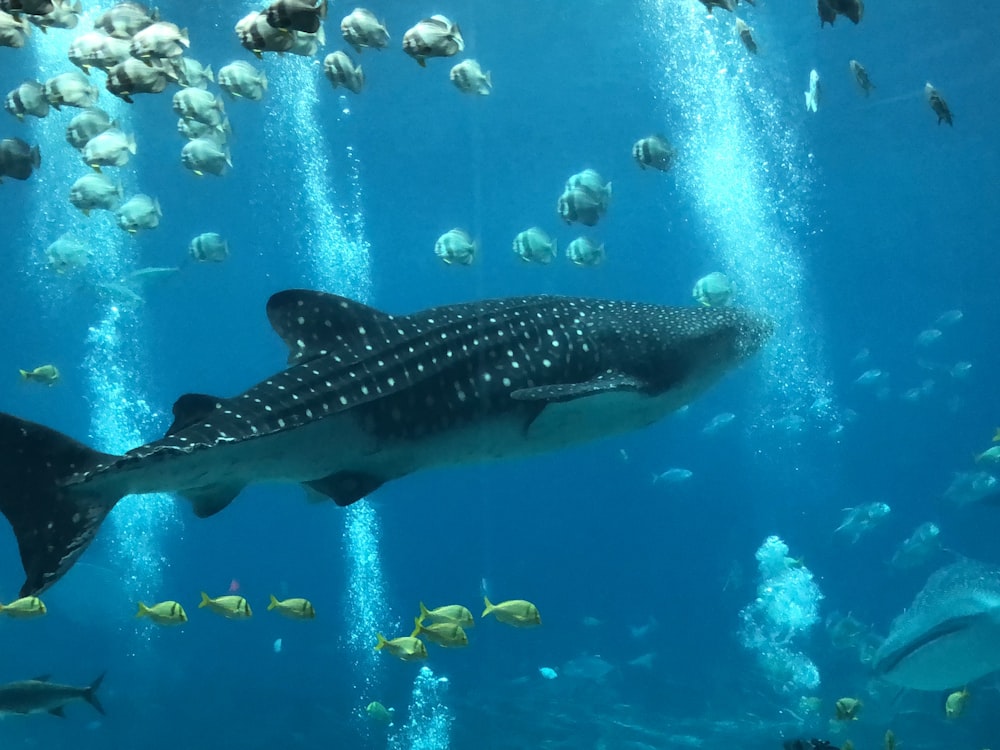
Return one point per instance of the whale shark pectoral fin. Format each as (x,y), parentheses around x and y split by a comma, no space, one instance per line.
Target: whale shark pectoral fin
(207,501)
(191,408)
(346,487)
(316,323)
(564,392)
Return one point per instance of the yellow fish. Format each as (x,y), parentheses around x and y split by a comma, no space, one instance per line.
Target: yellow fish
(516,612)
(848,709)
(233,607)
(954,704)
(444,634)
(406,648)
(380,713)
(46,375)
(24,608)
(297,609)
(164,613)
(455,613)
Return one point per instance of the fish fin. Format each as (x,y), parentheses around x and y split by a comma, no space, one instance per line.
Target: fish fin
(57,711)
(314,323)
(53,523)
(416,627)
(346,487)
(381,642)
(25,374)
(90,695)
(206,600)
(423,64)
(489,606)
(190,409)
(323,8)
(207,501)
(273,604)
(143,610)
(554,394)
(423,612)
(185,38)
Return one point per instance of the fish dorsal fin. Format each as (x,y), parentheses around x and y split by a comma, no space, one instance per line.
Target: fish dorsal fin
(571,391)
(314,324)
(191,408)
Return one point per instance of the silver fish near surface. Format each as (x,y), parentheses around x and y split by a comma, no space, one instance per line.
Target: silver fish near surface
(370,397)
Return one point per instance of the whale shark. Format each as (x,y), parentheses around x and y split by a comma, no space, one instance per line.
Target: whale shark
(369,397)
(950,635)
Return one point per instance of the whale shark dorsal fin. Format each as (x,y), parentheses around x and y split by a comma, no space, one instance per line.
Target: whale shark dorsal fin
(315,323)
(571,391)
(207,501)
(191,408)
(346,487)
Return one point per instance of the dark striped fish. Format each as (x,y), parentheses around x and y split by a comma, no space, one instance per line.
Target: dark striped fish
(370,397)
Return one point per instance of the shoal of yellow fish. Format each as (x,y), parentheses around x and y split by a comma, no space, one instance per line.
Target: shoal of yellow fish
(231,606)
(24,608)
(516,612)
(163,613)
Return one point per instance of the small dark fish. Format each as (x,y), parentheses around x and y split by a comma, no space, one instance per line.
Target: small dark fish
(39,696)
(827,15)
(301,15)
(28,7)
(18,159)
(729,5)
(746,36)
(938,104)
(861,76)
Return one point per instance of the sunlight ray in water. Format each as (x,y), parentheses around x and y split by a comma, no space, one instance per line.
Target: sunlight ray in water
(749,180)
(120,417)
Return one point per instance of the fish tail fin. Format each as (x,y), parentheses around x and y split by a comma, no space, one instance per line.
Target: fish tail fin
(489,606)
(416,627)
(381,642)
(52,522)
(90,694)
(25,375)
(143,610)
(205,600)
(423,612)
(273,604)
(323,9)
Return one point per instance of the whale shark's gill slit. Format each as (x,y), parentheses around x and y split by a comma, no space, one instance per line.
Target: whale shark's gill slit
(749,180)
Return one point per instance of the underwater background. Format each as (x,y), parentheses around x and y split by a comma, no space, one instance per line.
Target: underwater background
(855,227)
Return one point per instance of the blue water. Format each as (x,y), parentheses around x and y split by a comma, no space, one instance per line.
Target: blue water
(855,227)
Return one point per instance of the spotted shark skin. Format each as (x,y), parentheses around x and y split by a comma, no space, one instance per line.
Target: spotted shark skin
(370,397)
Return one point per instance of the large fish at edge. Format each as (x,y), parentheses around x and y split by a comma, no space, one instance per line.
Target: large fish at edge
(370,397)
